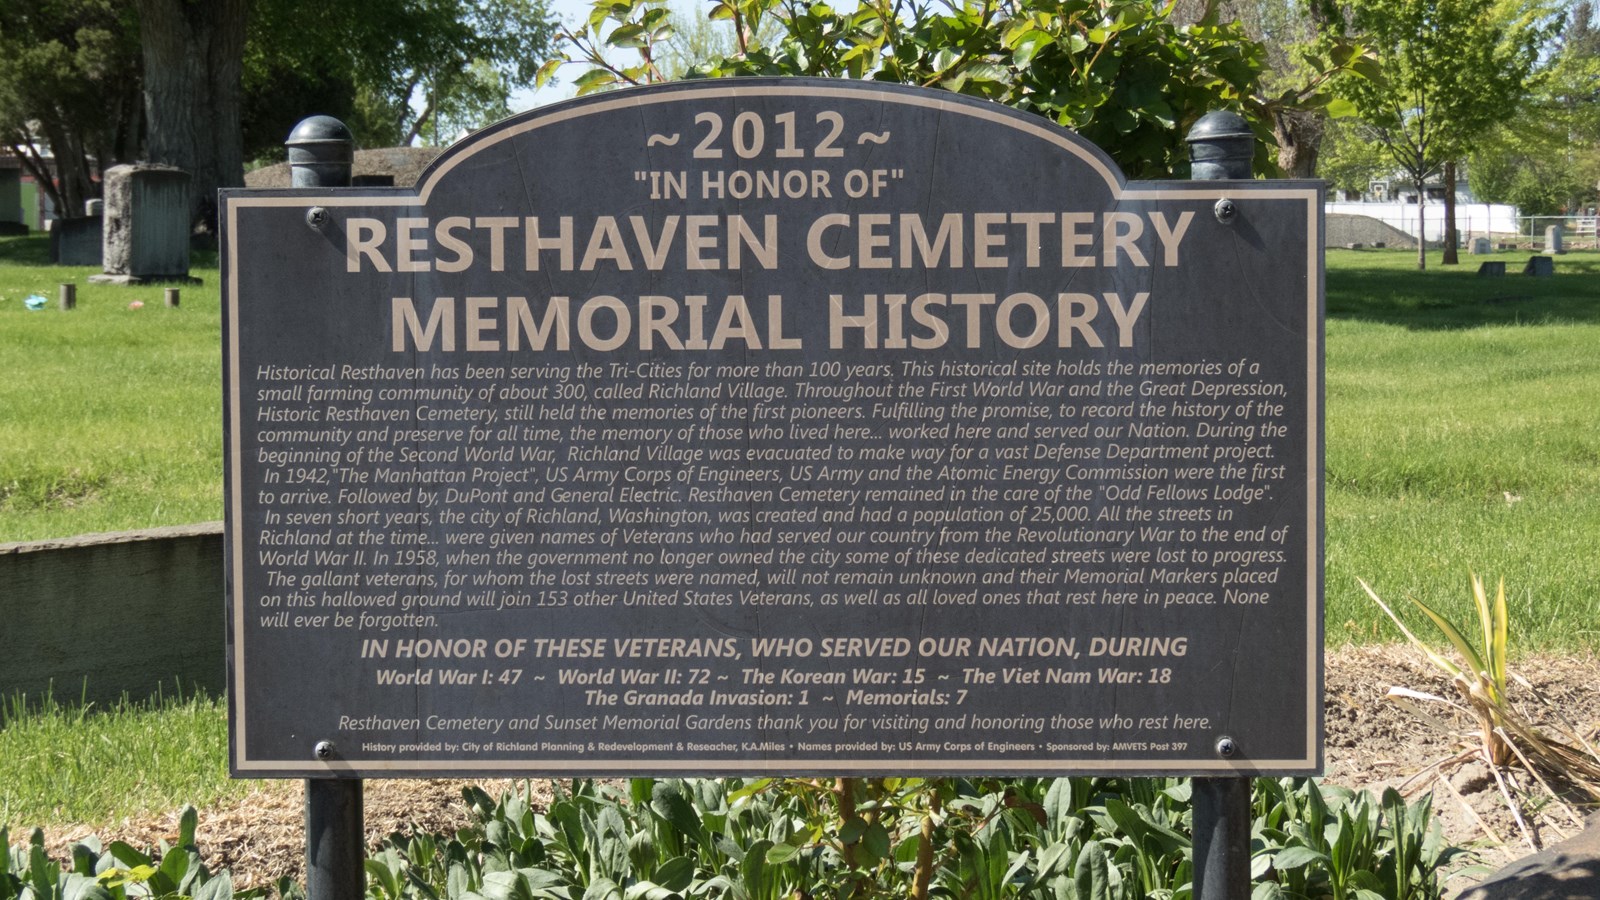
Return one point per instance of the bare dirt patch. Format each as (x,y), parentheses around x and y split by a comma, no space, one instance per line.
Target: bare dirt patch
(1371,743)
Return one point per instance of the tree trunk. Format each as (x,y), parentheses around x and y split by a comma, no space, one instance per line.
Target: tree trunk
(72,171)
(1299,134)
(193,58)
(1422,225)
(1451,236)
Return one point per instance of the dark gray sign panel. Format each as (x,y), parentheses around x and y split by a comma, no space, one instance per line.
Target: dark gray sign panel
(774,427)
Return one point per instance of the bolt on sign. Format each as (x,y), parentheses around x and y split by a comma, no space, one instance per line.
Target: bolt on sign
(774,426)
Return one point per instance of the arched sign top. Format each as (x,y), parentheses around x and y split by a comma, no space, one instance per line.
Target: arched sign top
(775,131)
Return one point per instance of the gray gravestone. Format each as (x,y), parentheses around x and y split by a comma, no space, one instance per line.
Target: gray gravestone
(146,226)
(1480,246)
(1552,240)
(1491,270)
(77,241)
(1539,265)
(11,202)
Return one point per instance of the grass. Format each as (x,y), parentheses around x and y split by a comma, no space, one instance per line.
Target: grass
(1463,434)
(70,763)
(109,416)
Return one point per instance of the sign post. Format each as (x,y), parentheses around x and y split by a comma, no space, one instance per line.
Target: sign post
(770,427)
(321,153)
(1221,149)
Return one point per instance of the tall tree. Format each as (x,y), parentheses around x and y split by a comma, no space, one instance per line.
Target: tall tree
(1450,69)
(193,62)
(1543,156)
(69,92)
(398,70)
(1298,44)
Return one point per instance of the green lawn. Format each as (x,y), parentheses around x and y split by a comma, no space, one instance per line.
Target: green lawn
(67,763)
(1463,427)
(1463,434)
(110,417)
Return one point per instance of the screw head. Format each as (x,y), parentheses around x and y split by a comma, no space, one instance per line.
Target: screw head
(1225,211)
(1226,747)
(324,750)
(316,217)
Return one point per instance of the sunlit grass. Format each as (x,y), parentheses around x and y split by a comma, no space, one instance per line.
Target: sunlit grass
(1464,434)
(110,417)
(70,763)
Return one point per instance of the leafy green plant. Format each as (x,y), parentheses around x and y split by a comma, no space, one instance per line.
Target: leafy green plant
(114,872)
(1333,842)
(777,839)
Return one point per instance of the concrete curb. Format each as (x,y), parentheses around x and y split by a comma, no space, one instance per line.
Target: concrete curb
(104,615)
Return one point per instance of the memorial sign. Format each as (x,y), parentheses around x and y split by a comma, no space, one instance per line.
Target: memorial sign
(774,426)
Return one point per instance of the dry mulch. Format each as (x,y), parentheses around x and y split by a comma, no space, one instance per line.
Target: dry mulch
(1370,743)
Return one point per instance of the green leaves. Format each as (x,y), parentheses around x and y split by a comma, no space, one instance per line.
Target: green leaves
(674,839)
(1120,71)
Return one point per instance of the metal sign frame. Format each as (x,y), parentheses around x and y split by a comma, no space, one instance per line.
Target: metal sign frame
(302,292)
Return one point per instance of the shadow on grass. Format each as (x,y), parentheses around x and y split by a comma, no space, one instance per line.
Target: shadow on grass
(31,250)
(34,250)
(1385,287)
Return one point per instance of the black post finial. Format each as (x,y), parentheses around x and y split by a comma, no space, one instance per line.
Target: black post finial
(321,153)
(1221,146)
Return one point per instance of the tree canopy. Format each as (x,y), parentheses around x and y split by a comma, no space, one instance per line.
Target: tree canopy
(70,80)
(1544,156)
(1450,69)
(1130,75)
(396,71)
(1122,73)
(207,84)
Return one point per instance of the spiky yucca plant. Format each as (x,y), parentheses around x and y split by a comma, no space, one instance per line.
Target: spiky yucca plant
(1482,682)
(1507,733)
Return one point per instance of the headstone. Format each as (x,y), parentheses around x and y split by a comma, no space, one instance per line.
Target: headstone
(1491,270)
(372,181)
(1552,240)
(11,203)
(146,230)
(1540,266)
(1356,245)
(77,241)
(1480,246)
(1379,245)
